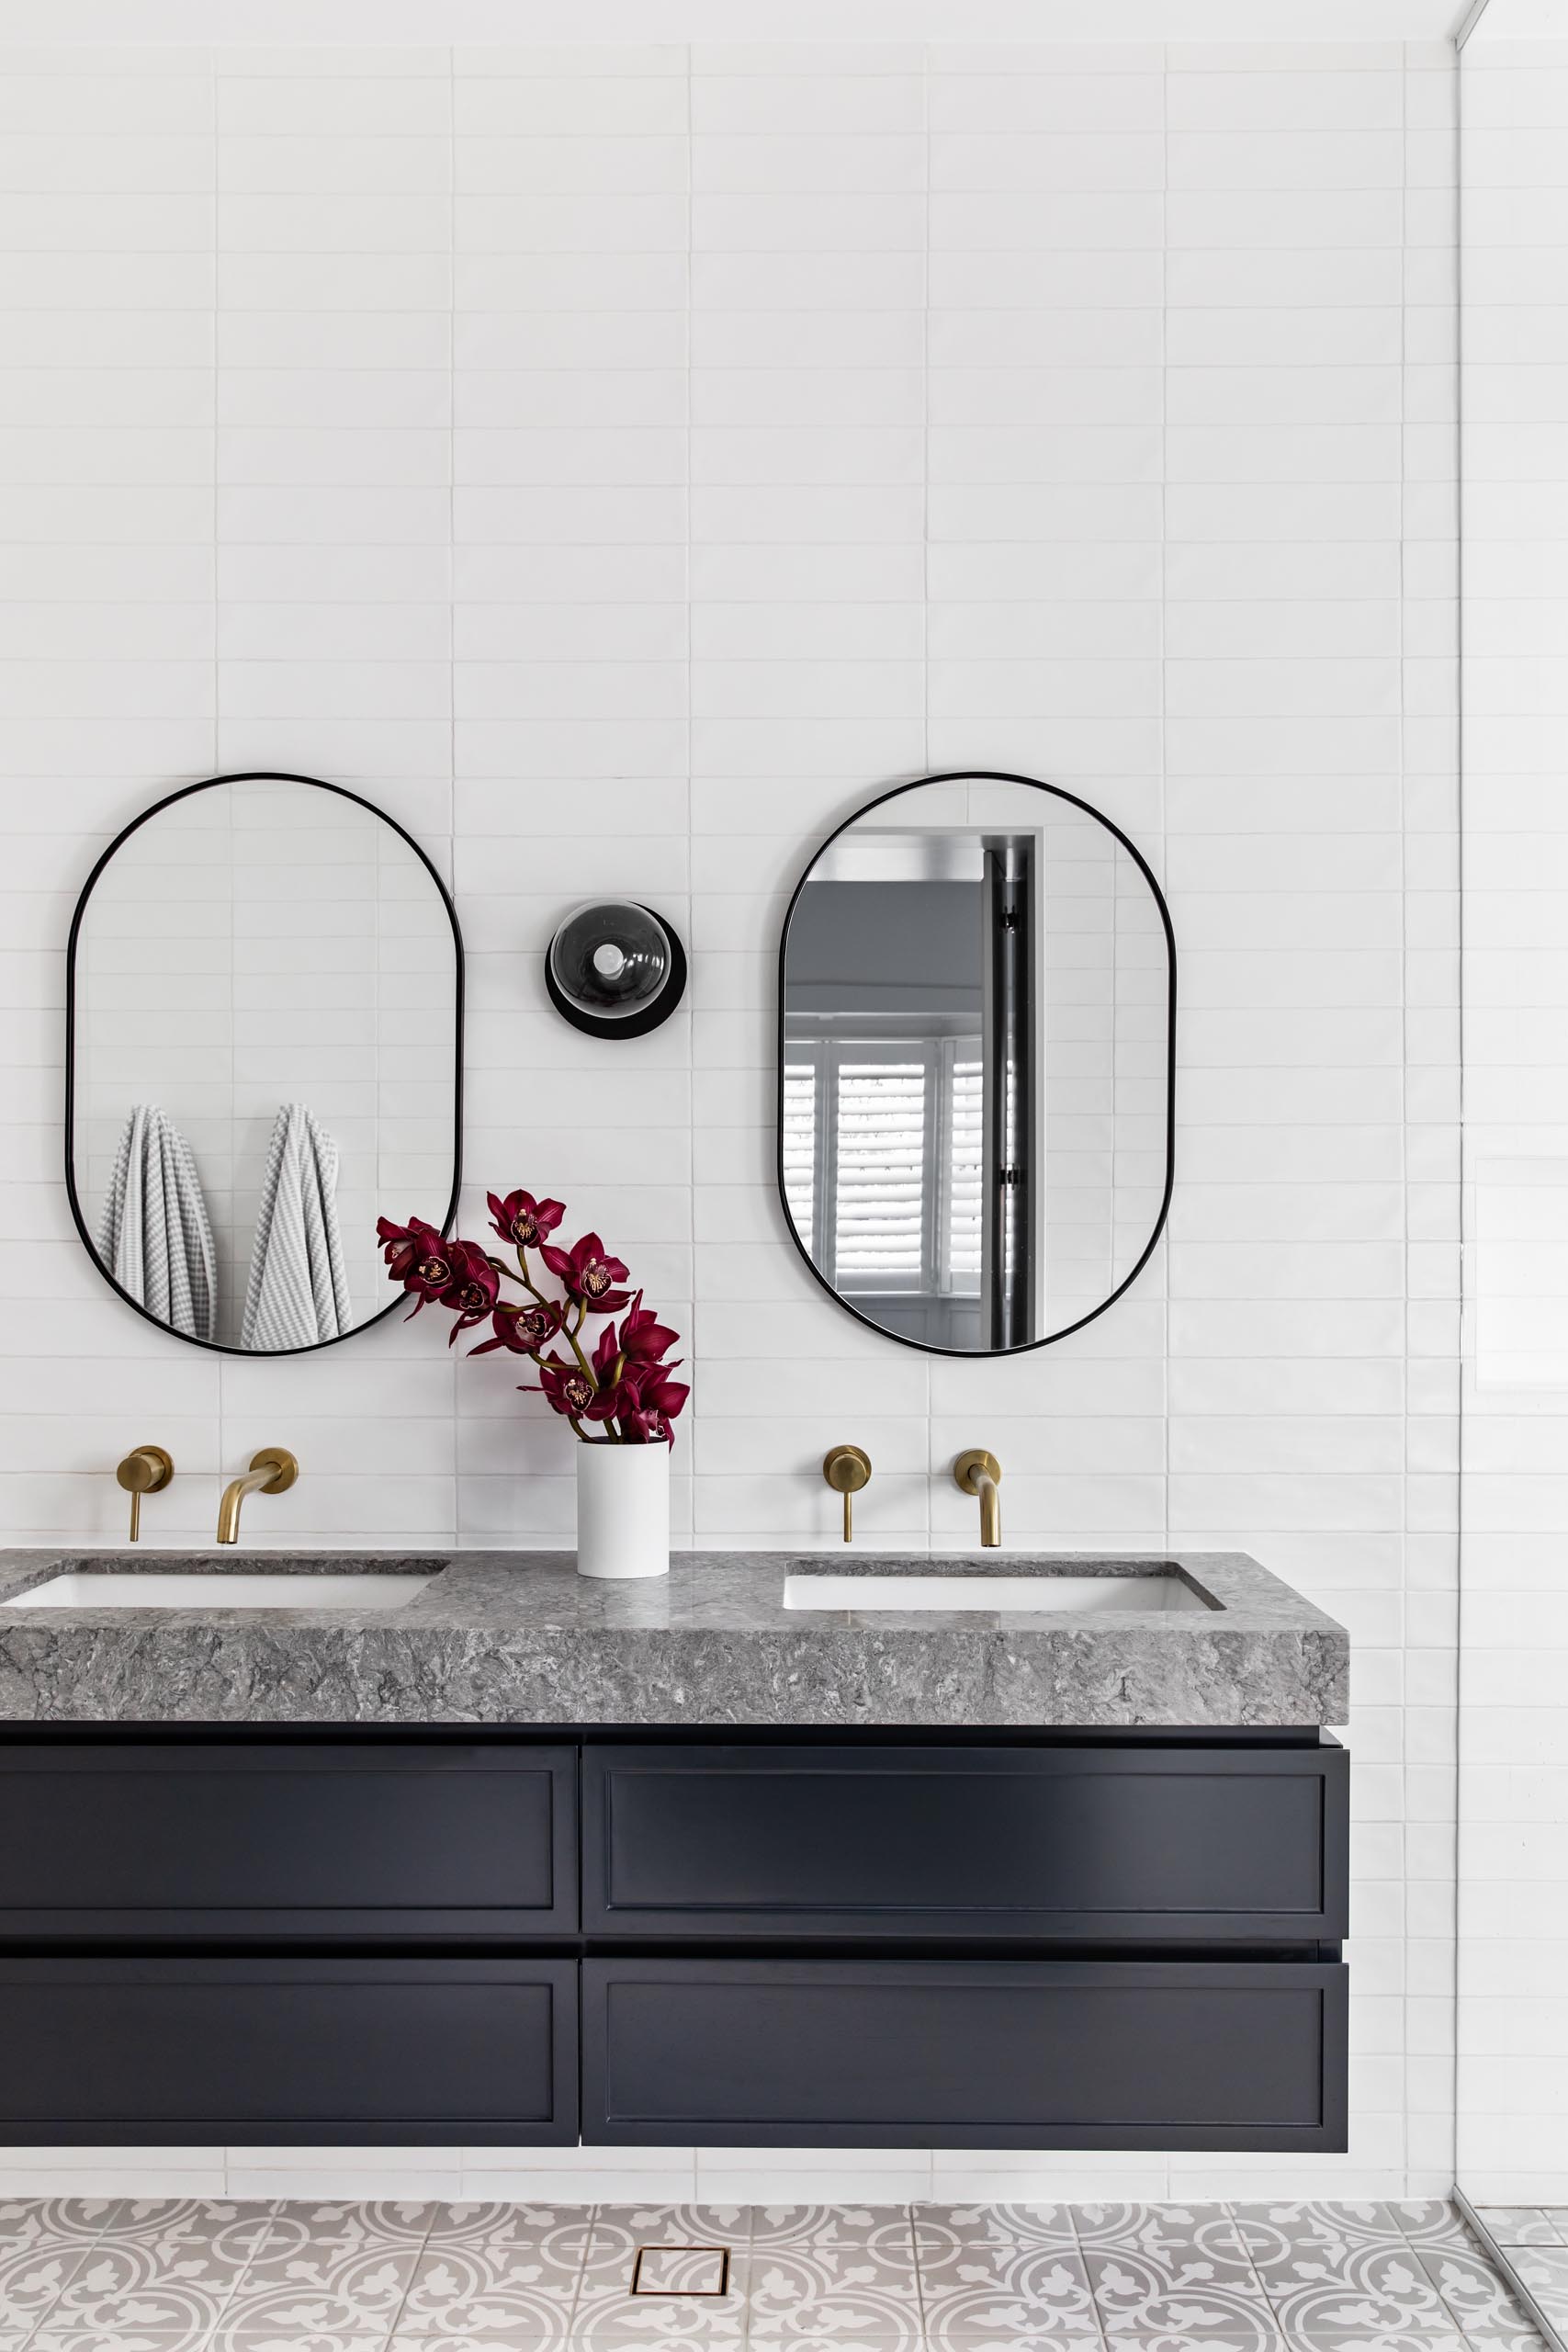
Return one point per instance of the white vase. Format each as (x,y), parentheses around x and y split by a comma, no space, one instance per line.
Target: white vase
(623,1510)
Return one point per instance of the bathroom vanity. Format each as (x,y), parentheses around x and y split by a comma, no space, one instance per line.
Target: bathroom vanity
(527,1860)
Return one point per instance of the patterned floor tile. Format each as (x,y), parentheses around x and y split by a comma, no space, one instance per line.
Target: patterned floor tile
(1476,2295)
(943,2228)
(497,2272)
(821,2289)
(174,2222)
(28,2220)
(1378,2288)
(1277,2234)
(1021,2295)
(32,2279)
(330,2270)
(638,2225)
(1432,2223)
(163,2267)
(1193,2328)
(1544,2271)
(563,2229)
(300,2337)
(1161,2234)
(832,2336)
(885,2229)
(832,2331)
(123,2336)
(1183,2291)
(491,2340)
(1376,2340)
(1520,2224)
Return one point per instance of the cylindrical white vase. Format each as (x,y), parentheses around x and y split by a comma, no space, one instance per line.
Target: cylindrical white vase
(623,1510)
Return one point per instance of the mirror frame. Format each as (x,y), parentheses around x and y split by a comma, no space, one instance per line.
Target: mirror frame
(185,791)
(986,775)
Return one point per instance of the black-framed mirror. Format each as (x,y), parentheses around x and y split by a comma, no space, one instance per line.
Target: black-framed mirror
(264,1054)
(977,1063)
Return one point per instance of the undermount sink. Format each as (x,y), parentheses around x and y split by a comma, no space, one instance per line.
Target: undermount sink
(1110,1595)
(93,1589)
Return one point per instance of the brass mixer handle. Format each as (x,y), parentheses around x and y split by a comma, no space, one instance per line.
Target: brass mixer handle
(146,1470)
(847,1468)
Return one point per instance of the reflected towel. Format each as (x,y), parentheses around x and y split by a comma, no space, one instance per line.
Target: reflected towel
(154,1236)
(298,1292)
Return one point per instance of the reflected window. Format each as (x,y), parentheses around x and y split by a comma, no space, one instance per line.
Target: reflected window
(883,1162)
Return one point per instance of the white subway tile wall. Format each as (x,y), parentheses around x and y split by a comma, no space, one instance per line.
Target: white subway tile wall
(1513,2013)
(622,462)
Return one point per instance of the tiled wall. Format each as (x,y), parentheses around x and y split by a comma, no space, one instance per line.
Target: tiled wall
(621,463)
(1514,1846)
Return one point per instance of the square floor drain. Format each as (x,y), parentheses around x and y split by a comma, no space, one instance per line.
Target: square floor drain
(681,2270)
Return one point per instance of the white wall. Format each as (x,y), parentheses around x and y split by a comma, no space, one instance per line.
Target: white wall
(1513,2143)
(620,464)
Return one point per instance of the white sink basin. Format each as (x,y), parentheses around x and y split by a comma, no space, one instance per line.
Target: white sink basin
(1110,1596)
(90,1589)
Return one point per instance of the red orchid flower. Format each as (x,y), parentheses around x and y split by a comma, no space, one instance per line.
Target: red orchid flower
(644,1338)
(590,1273)
(646,1395)
(663,1397)
(523,1330)
(473,1289)
(607,1352)
(417,1257)
(523,1220)
(570,1389)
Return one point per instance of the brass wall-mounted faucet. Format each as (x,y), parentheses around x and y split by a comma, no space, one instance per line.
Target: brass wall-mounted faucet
(847,1469)
(977,1473)
(146,1470)
(272,1472)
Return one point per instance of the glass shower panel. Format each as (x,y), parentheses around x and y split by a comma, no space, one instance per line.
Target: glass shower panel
(1512,2077)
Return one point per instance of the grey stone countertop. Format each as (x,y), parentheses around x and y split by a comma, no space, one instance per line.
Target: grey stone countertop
(518,1638)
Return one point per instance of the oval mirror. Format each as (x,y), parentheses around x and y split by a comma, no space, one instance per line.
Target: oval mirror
(977,1018)
(264,994)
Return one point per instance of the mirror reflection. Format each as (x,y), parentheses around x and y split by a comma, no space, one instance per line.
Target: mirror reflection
(977,1000)
(263,1058)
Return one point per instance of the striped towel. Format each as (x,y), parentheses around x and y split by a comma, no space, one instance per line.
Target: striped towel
(298,1292)
(154,1236)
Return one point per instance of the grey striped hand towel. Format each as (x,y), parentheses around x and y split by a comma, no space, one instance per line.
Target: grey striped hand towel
(154,1236)
(298,1292)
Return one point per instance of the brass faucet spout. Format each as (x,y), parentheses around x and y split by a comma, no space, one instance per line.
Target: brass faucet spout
(978,1473)
(272,1472)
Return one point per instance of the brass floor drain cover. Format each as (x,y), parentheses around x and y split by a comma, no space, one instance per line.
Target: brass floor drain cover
(681,2270)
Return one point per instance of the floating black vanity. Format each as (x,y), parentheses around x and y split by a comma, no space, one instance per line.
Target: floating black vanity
(298,1878)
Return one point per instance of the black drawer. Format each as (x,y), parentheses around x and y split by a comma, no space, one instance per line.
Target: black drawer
(1086,1843)
(298,2051)
(373,1841)
(1175,2054)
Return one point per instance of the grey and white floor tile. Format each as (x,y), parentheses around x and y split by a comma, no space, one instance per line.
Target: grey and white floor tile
(1008,2293)
(944,2228)
(491,2273)
(125,2275)
(1524,2224)
(1544,2271)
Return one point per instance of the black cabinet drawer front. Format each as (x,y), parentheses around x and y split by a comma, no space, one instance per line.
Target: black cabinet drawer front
(373,1841)
(898,2054)
(1099,1842)
(295,2051)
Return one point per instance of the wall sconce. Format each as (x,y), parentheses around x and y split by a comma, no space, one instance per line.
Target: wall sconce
(616,969)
